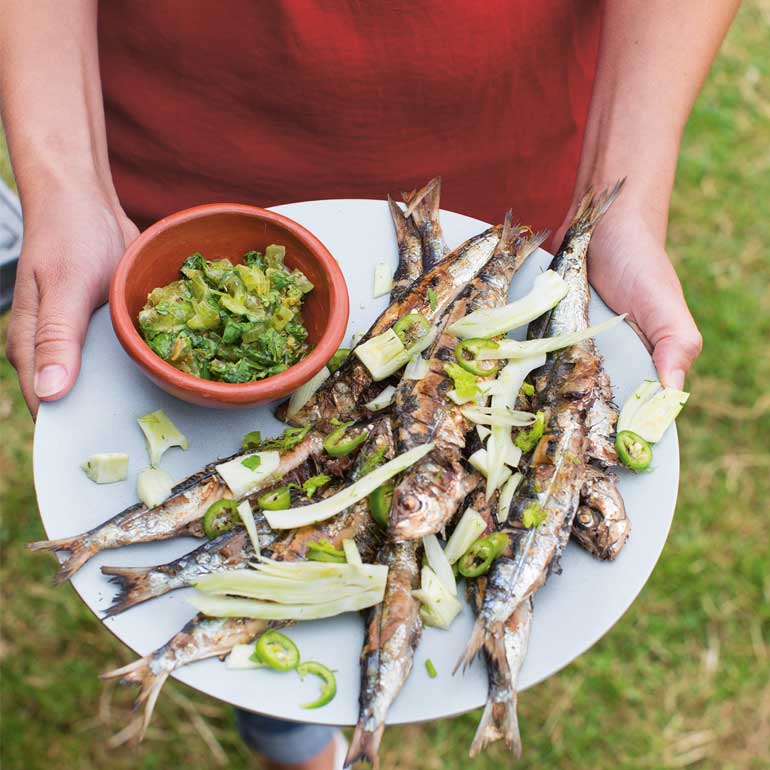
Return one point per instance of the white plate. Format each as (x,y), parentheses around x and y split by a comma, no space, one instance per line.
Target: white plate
(571,612)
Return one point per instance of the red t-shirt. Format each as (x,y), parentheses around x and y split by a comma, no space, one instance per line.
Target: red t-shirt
(269,102)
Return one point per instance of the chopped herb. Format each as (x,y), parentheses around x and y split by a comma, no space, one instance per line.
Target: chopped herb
(533,515)
(323,550)
(287,440)
(432,299)
(252,463)
(528,389)
(226,322)
(314,483)
(466,384)
(252,440)
(430,668)
(370,462)
(527,440)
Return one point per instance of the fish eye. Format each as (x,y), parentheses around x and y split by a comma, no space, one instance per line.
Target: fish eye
(410,503)
(585,519)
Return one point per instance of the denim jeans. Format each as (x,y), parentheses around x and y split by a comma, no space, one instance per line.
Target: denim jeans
(280,741)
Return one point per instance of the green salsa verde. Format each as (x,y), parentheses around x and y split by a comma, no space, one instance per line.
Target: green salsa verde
(230,323)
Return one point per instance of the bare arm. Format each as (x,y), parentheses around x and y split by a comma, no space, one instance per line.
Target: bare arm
(75,229)
(653,58)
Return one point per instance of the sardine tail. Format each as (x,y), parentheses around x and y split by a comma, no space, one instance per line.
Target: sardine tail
(422,201)
(79,550)
(499,721)
(135,731)
(593,207)
(151,684)
(365,746)
(133,588)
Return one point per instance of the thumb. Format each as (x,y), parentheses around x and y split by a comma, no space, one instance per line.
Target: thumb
(675,348)
(63,315)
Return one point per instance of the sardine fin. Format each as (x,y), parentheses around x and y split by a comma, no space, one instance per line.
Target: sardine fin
(426,199)
(365,746)
(478,636)
(399,219)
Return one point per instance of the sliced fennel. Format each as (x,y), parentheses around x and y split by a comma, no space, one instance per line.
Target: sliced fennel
(153,486)
(228,607)
(480,461)
(240,657)
(385,354)
(269,588)
(242,480)
(514,349)
(303,571)
(468,530)
(634,402)
(500,444)
(330,506)
(651,409)
(161,434)
(439,563)
(439,607)
(305,392)
(548,289)
(352,554)
(486,415)
(383,400)
(377,353)
(383,280)
(482,431)
(247,517)
(416,369)
(107,467)
(505,498)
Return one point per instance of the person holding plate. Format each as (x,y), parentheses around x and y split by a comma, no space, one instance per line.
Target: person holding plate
(120,113)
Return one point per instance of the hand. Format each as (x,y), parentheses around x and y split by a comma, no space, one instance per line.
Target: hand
(73,239)
(629,268)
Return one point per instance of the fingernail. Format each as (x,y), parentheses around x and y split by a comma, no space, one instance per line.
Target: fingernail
(49,380)
(675,379)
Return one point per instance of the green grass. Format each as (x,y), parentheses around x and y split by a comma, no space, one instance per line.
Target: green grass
(683,680)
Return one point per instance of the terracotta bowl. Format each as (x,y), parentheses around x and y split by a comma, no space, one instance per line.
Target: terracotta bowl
(227,230)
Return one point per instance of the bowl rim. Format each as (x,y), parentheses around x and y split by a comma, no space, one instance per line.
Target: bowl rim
(271,388)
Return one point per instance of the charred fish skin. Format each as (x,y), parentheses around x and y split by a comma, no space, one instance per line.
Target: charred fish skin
(201,638)
(180,515)
(394,629)
(601,524)
(429,493)
(564,388)
(410,266)
(570,263)
(342,395)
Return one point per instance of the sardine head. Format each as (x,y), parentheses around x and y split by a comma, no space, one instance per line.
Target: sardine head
(413,513)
